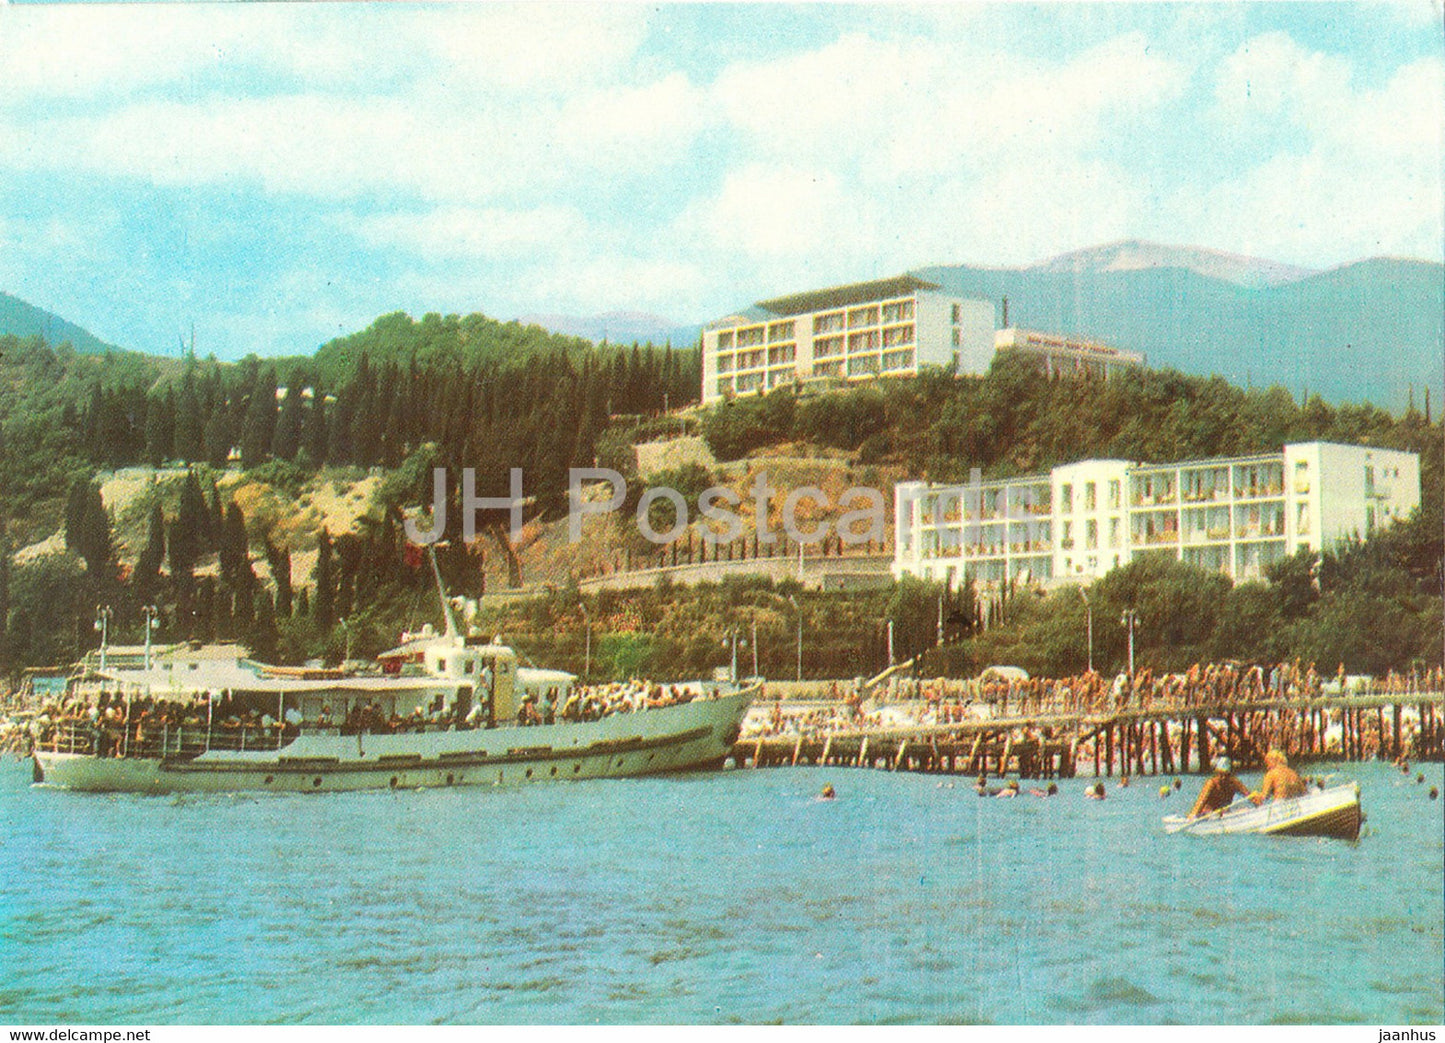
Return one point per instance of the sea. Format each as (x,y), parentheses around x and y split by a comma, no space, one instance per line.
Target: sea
(729,897)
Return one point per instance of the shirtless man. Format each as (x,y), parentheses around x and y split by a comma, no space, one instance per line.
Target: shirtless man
(1219,790)
(1280,781)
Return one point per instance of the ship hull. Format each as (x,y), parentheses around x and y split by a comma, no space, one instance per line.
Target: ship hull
(685,737)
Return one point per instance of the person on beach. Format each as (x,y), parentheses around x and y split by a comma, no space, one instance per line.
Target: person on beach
(1219,790)
(1280,781)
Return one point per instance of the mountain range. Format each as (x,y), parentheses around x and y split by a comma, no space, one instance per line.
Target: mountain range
(1368,331)
(26,320)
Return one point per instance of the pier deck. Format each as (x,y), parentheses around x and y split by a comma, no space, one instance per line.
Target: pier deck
(1141,741)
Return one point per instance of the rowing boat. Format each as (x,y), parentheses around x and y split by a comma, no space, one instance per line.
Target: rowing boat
(1333,812)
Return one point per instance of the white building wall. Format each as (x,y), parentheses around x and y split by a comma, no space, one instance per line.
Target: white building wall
(1341,492)
(1073,556)
(975,349)
(1222,513)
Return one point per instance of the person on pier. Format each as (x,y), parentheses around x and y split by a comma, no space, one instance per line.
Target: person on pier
(1219,790)
(1280,781)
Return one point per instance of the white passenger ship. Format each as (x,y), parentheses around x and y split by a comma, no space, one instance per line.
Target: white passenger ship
(462,702)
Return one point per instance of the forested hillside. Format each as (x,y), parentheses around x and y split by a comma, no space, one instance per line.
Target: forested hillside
(403,396)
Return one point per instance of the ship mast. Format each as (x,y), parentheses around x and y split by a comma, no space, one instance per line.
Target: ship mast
(451,619)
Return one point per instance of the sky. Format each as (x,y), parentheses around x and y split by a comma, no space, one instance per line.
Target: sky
(276,175)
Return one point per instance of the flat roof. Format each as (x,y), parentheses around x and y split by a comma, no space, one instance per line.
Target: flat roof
(842,296)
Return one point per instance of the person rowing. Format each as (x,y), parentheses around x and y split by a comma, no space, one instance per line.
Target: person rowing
(1219,790)
(1280,782)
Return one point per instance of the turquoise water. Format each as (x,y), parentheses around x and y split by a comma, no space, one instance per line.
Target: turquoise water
(729,897)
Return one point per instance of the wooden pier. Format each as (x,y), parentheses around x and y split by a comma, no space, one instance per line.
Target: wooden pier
(1162,740)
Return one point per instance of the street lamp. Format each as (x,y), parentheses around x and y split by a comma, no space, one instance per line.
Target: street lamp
(890,642)
(102,625)
(1089,617)
(587,656)
(799,612)
(755,648)
(1129,618)
(151,622)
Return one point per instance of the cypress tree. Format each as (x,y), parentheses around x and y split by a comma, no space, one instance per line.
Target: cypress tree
(160,428)
(189,440)
(216,447)
(287,440)
(185,543)
(260,425)
(314,431)
(148,565)
(325,605)
(279,559)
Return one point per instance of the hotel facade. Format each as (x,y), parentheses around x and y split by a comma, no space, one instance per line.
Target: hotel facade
(889,327)
(1234,515)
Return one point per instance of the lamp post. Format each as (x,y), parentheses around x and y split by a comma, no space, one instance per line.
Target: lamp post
(1129,618)
(102,625)
(1089,618)
(755,648)
(799,613)
(890,642)
(587,655)
(149,611)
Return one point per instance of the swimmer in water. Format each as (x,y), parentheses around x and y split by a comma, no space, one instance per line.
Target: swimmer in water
(1010,789)
(1164,791)
(828,792)
(1095,792)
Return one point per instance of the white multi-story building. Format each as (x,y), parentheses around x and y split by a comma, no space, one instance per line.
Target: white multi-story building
(1066,356)
(890,327)
(1235,515)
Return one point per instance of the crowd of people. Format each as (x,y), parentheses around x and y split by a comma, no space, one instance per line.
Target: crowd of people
(110,724)
(906,701)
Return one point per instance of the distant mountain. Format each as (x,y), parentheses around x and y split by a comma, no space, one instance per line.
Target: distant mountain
(1365,331)
(26,320)
(618,327)
(1129,255)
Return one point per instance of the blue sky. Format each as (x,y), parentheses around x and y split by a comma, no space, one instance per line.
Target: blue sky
(279,174)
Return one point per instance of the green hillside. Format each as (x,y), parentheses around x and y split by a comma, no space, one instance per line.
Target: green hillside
(22,319)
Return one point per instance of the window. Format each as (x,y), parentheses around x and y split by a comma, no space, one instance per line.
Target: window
(725,340)
(830,323)
(863,317)
(957,312)
(1114,493)
(957,341)
(780,331)
(1114,532)
(1091,500)
(1066,498)
(1091,534)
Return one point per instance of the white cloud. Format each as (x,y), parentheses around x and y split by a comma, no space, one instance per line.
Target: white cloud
(1365,175)
(470,233)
